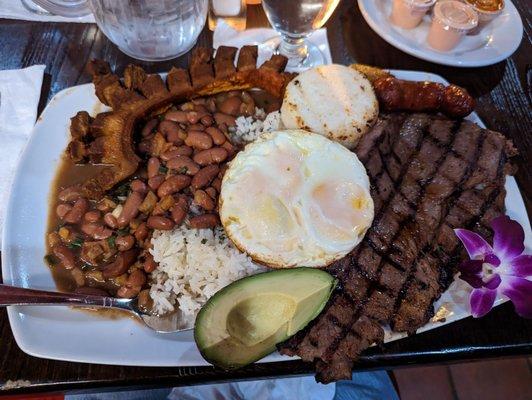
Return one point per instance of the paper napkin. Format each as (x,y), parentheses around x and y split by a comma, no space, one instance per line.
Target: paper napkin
(20,90)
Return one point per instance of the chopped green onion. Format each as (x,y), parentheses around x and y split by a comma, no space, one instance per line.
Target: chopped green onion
(123,232)
(183,170)
(163,169)
(111,240)
(76,243)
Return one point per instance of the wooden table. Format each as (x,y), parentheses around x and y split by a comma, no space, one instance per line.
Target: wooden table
(503,93)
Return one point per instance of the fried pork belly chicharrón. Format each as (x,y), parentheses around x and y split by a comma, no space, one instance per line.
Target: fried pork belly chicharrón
(429,175)
(108,138)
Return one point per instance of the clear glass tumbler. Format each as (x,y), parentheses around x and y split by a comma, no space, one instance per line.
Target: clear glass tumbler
(295,20)
(151,30)
(65,8)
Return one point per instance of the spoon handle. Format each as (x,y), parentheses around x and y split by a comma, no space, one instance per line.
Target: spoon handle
(12,296)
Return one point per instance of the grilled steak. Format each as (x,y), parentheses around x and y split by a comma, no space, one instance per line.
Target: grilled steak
(429,175)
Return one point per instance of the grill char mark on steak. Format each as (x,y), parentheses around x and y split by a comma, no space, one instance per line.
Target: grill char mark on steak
(429,175)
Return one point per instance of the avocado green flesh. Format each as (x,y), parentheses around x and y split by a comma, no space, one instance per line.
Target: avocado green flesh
(231,353)
(258,317)
(244,321)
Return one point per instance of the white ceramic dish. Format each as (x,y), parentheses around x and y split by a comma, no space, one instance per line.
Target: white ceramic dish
(496,42)
(65,334)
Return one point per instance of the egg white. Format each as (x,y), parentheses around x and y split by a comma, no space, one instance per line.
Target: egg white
(295,198)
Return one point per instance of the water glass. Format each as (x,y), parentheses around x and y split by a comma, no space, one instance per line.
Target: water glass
(151,30)
(64,8)
(295,20)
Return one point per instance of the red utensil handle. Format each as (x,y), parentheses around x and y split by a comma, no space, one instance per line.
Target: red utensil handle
(11,295)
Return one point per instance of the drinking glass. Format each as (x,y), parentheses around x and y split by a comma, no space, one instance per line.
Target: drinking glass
(65,8)
(295,20)
(151,30)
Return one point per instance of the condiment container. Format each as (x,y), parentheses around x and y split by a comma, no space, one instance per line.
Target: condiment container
(451,20)
(233,12)
(409,13)
(487,11)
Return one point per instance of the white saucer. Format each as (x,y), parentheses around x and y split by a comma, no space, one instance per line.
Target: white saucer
(496,42)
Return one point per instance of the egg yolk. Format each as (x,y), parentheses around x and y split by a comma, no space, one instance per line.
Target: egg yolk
(342,204)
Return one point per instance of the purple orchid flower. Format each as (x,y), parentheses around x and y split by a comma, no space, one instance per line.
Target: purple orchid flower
(502,268)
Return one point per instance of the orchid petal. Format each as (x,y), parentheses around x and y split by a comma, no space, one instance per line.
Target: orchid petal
(471,272)
(508,238)
(492,259)
(519,291)
(475,244)
(493,283)
(482,301)
(471,267)
(521,266)
(473,280)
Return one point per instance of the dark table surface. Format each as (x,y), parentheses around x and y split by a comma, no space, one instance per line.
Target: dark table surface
(503,93)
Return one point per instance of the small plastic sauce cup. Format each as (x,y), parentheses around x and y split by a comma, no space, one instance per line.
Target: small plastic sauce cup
(452,20)
(409,13)
(487,11)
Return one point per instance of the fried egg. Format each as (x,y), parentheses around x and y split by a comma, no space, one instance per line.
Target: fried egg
(294,198)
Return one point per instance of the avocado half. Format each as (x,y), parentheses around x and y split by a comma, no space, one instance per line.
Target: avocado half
(244,321)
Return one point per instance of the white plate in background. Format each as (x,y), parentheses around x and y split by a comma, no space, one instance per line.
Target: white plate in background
(62,333)
(496,42)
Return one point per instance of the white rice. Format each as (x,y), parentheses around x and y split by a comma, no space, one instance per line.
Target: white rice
(193,265)
(249,128)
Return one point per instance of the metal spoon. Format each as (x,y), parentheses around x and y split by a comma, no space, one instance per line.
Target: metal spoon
(15,296)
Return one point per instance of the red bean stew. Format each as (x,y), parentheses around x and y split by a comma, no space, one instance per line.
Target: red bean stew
(102,247)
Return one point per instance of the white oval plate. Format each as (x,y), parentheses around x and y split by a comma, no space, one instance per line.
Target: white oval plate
(496,42)
(62,333)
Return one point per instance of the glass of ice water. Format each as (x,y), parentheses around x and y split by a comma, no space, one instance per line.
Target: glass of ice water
(295,20)
(151,30)
(64,8)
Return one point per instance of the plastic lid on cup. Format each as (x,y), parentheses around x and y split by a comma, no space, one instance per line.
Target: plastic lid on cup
(456,15)
(420,4)
(487,5)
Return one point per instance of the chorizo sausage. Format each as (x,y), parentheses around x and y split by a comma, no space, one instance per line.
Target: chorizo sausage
(396,95)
